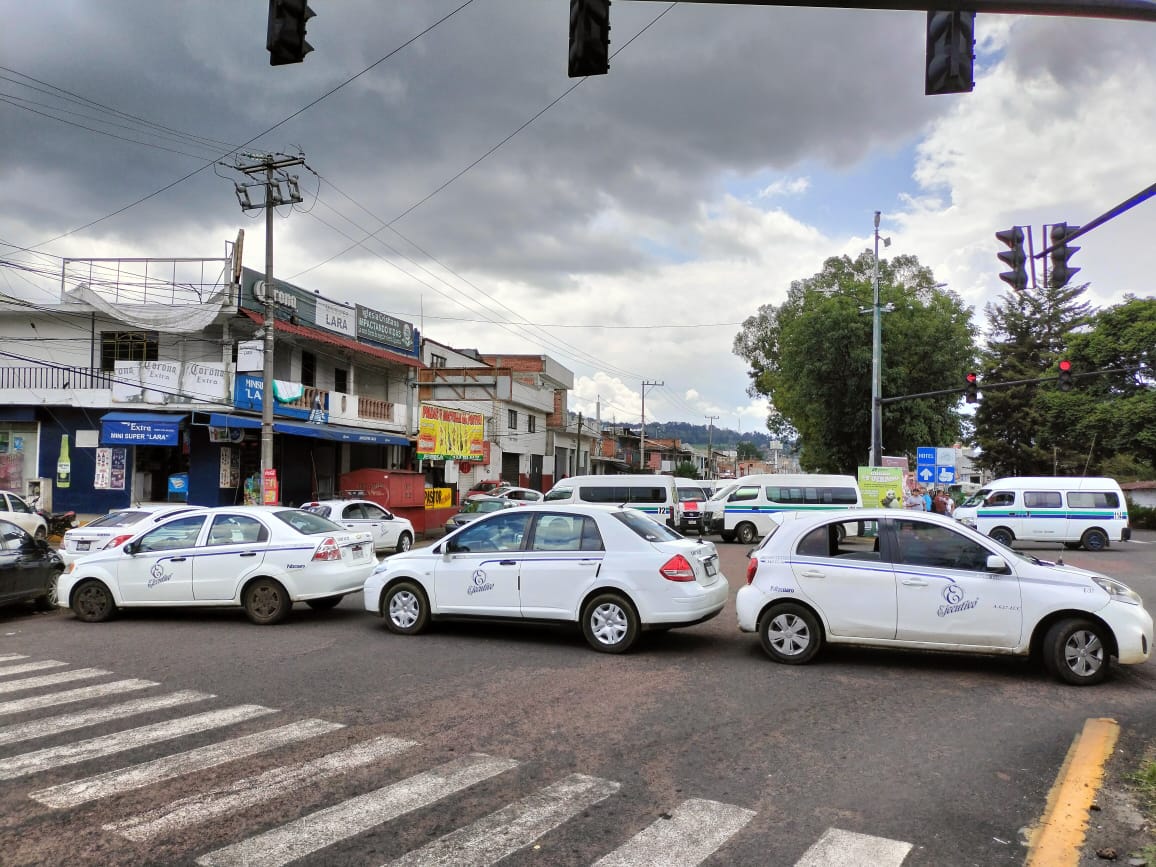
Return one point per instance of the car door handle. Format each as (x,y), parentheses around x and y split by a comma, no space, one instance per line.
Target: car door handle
(507,562)
(914,582)
(177,559)
(814,573)
(249,554)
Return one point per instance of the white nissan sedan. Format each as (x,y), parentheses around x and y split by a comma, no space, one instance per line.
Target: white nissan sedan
(262,558)
(923,581)
(390,532)
(614,571)
(115,528)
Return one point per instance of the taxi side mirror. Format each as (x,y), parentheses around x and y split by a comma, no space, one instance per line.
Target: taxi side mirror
(996,563)
(131,548)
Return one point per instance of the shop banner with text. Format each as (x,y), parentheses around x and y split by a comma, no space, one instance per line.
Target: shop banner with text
(450,433)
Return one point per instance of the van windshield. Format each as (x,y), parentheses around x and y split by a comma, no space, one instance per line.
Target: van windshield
(976,499)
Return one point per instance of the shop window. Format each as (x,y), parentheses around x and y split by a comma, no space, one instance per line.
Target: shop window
(127,346)
(309,368)
(341,380)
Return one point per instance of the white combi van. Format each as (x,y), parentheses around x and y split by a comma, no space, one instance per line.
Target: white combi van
(657,496)
(744,510)
(1077,511)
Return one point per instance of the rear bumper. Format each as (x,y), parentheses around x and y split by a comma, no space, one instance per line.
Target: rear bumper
(698,604)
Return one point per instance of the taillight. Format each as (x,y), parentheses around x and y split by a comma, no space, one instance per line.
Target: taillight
(115,541)
(328,550)
(677,568)
(752,568)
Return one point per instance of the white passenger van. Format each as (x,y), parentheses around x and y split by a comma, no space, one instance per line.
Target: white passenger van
(1077,511)
(657,496)
(744,510)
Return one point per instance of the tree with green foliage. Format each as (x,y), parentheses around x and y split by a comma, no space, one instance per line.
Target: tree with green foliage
(748,451)
(811,356)
(686,470)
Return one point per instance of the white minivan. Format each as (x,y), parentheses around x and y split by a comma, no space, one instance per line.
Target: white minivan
(1077,511)
(657,496)
(744,510)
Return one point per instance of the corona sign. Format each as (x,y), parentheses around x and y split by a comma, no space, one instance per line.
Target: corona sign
(450,434)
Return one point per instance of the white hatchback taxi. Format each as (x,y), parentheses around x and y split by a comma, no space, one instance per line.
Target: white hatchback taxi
(923,581)
(614,571)
(261,558)
(390,532)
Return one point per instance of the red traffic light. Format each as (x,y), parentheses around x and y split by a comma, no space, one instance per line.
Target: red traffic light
(972,378)
(1065,365)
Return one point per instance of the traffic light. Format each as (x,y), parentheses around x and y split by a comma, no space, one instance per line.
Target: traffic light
(286,40)
(971,395)
(589,38)
(950,52)
(1065,375)
(1061,272)
(1014,258)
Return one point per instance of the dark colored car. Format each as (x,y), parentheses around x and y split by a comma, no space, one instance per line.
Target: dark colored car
(691,498)
(477,506)
(28,568)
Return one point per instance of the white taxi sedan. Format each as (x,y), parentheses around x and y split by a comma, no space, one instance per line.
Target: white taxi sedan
(261,558)
(390,532)
(115,528)
(923,581)
(614,571)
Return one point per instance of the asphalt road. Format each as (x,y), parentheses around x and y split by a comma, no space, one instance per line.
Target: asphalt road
(952,756)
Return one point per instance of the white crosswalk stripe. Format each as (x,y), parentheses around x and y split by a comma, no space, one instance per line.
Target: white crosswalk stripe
(82,751)
(69,696)
(326,827)
(245,793)
(69,722)
(694,831)
(179,764)
(50,679)
(513,827)
(9,657)
(26,667)
(838,848)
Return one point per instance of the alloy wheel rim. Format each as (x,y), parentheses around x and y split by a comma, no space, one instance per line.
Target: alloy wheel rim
(789,634)
(91,601)
(403,609)
(52,596)
(1084,653)
(608,623)
(265,601)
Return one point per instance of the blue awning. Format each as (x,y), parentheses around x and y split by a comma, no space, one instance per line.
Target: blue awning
(140,429)
(332,432)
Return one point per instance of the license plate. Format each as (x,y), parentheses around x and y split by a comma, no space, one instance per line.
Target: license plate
(711,569)
(358,552)
(82,546)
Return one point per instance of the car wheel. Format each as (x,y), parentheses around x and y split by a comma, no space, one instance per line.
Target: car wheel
(1094,540)
(1002,535)
(266,602)
(790,634)
(41,533)
(727,537)
(404,543)
(609,623)
(1076,651)
(745,533)
(47,602)
(323,604)
(405,608)
(92,602)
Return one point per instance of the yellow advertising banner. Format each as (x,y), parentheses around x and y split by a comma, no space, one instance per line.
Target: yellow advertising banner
(438,498)
(450,433)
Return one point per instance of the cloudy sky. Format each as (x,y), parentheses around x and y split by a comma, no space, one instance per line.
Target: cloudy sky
(623,224)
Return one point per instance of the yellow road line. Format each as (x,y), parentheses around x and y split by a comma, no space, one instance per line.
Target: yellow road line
(1058,838)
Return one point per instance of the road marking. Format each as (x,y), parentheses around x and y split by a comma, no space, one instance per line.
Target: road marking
(694,831)
(82,751)
(179,764)
(514,827)
(9,657)
(26,667)
(83,693)
(274,783)
(68,722)
(1058,838)
(326,827)
(838,848)
(51,679)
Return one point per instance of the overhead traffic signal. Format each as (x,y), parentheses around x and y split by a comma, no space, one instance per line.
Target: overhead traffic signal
(1061,272)
(286,39)
(1014,258)
(1065,375)
(589,38)
(971,394)
(950,52)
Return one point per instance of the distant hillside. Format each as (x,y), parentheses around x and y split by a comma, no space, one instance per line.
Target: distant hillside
(700,435)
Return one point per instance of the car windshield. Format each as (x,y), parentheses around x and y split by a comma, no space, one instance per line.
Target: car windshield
(723,492)
(686,495)
(318,509)
(308,523)
(119,519)
(480,506)
(977,498)
(646,527)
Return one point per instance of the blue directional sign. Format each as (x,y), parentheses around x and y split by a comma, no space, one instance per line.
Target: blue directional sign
(925,474)
(925,456)
(945,475)
(935,466)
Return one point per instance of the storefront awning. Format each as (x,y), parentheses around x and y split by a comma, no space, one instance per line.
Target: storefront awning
(333,432)
(140,429)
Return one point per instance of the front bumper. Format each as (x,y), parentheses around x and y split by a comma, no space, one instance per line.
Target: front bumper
(1132,626)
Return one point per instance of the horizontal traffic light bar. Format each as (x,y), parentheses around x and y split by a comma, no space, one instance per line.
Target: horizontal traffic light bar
(1009,383)
(1131,10)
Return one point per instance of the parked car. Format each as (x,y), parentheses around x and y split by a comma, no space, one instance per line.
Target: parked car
(390,532)
(14,508)
(520,495)
(923,581)
(485,486)
(475,507)
(691,499)
(262,558)
(115,528)
(612,570)
(28,568)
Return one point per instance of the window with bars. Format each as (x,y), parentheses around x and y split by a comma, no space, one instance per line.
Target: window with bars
(511,419)
(531,423)
(127,346)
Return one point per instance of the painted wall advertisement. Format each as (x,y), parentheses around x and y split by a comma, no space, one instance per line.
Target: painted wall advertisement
(450,433)
(230,476)
(159,382)
(110,469)
(881,487)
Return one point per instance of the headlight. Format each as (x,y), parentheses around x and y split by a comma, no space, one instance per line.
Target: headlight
(1117,590)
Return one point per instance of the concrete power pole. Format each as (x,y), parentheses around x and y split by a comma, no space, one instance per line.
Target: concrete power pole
(711,419)
(642,443)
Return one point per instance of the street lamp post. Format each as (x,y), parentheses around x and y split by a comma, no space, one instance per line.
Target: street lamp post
(876,357)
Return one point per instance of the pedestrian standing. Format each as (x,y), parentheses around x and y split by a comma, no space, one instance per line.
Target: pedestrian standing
(926,501)
(912,500)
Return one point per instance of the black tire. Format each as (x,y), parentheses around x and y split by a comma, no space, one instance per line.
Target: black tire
(266,602)
(47,602)
(1094,540)
(404,543)
(1077,651)
(325,603)
(745,533)
(1002,535)
(405,608)
(41,534)
(92,602)
(1072,546)
(727,536)
(610,623)
(790,634)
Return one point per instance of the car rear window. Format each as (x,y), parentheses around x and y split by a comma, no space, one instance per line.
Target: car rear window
(319,509)
(118,519)
(648,529)
(308,523)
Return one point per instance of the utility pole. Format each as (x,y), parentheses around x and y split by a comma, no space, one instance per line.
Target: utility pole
(710,420)
(642,444)
(274,170)
(876,358)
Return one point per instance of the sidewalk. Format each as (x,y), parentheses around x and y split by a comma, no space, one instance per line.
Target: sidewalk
(1116,823)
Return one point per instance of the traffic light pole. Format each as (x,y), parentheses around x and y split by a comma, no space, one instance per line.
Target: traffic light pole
(876,361)
(1009,383)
